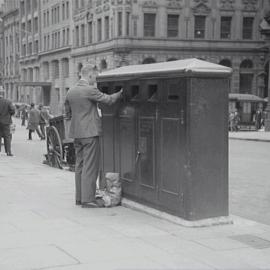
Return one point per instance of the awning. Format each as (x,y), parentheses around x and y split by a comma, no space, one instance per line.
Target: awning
(245,97)
(35,84)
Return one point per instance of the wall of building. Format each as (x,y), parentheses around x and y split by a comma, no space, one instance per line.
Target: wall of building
(114,33)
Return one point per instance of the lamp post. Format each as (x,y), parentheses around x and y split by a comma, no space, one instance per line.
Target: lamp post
(265,30)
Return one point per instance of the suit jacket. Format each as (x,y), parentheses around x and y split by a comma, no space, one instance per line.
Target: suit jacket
(81,108)
(6,111)
(34,119)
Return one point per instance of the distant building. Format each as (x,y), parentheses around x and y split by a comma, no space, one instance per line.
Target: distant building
(58,36)
(10,42)
(55,53)
(116,33)
(30,33)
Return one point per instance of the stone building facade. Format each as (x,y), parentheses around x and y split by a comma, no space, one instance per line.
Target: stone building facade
(58,36)
(30,32)
(10,49)
(55,53)
(123,32)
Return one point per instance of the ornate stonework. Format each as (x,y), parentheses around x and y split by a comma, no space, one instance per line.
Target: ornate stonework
(250,5)
(201,8)
(174,4)
(149,4)
(227,4)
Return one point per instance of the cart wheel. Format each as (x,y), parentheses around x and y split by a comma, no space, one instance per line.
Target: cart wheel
(54,148)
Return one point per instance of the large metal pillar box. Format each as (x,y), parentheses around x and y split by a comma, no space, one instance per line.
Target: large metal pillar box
(168,136)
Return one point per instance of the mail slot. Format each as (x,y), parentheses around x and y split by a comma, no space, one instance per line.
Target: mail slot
(168,136)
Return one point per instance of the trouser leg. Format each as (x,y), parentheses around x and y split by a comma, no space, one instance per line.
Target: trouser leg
(78,169)
(7,138)
(30,134)
(90,169)
(38,132)
(42,129)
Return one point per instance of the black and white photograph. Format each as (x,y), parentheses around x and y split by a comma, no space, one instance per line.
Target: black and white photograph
(134,135)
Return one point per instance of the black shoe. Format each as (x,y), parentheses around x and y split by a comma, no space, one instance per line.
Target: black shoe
(78,202)
(10,154)
(93,204)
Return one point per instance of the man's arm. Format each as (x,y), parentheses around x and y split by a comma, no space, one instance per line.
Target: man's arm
(98,96)
(68,112)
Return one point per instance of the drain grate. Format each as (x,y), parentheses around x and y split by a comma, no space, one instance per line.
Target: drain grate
(252,240)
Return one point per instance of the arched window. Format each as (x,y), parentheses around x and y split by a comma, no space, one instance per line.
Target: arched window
(246,76)
(149,60)
(226,63)
(246,64)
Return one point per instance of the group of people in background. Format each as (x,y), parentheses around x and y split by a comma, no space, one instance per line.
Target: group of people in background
(36,118)
(257,118)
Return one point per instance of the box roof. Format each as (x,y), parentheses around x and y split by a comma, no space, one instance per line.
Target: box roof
(188,66)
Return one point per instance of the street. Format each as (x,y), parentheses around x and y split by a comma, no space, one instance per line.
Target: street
(249,179)
(42,228)
(249,185)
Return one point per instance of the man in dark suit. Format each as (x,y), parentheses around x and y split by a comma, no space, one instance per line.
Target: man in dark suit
(6,111)
(85,128)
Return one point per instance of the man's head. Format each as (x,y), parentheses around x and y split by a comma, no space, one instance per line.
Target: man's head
(32,105)
(89,73)
(40,106)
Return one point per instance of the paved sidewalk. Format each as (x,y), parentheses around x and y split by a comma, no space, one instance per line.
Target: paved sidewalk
(250,135)
(41,228)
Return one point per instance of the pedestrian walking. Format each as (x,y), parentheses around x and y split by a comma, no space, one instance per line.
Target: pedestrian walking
(7,109)
(33,122)
(85,128)
(24,115)
(44,118)
(258,119)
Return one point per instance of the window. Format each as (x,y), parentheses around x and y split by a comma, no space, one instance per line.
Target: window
(67,10)
(44,19)
(35,4)
(127,23)
(83,34)
(149,24)
(99,29)
(107,28)
(29,26)
(172,25)
(44,43)
(48,18)
(36,25)
(36,46)
(199,27)
(119,17)
(63,11)
(77,36)
(48,42)
(23,30)
(225,27)
(30,51)
(65,65)
(67,36)
(90,32)
(247,27)
(23,50)
(64,37)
